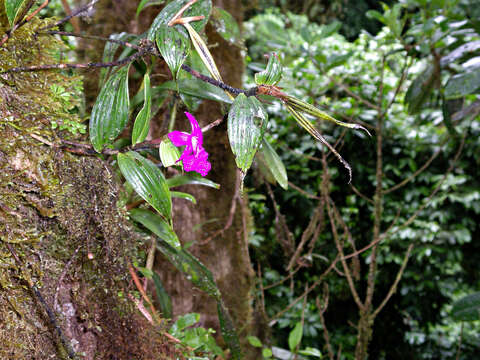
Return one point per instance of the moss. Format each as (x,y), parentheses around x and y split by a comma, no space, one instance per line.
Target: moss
(55,209)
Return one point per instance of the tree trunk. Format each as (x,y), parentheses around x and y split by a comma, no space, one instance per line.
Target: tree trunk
(64,243)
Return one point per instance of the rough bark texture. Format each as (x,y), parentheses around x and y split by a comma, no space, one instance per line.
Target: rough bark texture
(55,208)
(226,255)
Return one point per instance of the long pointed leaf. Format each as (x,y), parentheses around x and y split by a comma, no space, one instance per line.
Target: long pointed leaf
(274,164)
(142,122)
(110,112)
(147,180)
(157,225)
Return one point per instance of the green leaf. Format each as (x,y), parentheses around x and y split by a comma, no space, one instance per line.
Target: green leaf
(467,308)
(274,164)
(169,153)
(147,180)
(142,122)
(173,46)
(163,298)
(311,352)
(247,121)
(184,322)
(191,180)
(254,341)
(183,195)
(12,8)
(110,111)
(420,89)
(267,353)
(273,72)
(146,3)
(199,89)
(463,84)
(225,25)
(295,336)
(157,225)
(201,7)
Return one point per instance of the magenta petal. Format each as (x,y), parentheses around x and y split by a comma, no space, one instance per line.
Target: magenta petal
(196,130)
(179,138)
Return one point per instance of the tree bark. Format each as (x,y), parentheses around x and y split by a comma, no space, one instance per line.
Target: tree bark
(64,243)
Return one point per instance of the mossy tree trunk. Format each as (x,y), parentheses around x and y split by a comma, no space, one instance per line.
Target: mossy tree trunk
(64,242)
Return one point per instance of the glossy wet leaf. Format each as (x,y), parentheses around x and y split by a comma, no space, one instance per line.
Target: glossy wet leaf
(12,8)
(272,74)
(247,121)
(156,224)
(463,84)
(147,180)
(110,111)
(185,196)
(274,164)
(191,180)
(164,299)
(169,153)
(467,308)
(173,46)
(142,121)
(311,352)
(201,7)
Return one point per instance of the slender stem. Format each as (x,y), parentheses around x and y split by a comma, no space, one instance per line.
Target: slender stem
(393,288)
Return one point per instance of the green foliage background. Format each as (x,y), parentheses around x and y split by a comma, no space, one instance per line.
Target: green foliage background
(416,323)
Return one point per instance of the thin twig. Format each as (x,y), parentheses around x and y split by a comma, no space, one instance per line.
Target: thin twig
(74,66)
(93,37)
(393,288)
(419,171)
(73,14)
(321,310)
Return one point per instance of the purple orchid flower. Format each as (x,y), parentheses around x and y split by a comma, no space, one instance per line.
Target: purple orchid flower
(194,156)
